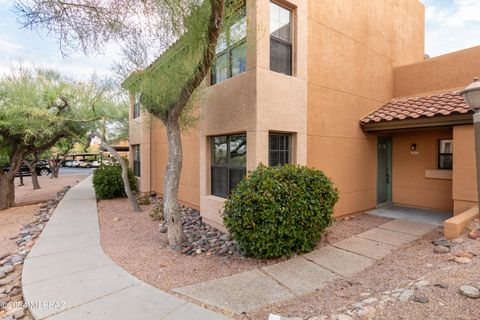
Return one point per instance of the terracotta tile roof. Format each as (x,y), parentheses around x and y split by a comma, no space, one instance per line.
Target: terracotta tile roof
(443,104)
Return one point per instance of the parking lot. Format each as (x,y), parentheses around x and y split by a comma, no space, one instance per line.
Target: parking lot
(66,171)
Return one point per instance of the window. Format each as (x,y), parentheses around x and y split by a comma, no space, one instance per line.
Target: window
(231,51)
(136,160)
(279,149)
(136,106)
(445,154)
(229,159)
(280,39)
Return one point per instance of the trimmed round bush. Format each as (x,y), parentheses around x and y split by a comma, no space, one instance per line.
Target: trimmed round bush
(108,183)
(279,211)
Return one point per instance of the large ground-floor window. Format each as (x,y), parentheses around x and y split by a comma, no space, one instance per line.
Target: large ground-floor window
(229,160)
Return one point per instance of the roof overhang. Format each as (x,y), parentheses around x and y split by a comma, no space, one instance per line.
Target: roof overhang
(419,123)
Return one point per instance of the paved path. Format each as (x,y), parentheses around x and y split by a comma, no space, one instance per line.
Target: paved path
(282,281)
(68,276)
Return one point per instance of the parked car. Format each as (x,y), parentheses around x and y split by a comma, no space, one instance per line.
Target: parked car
(42,169)
(84,164)
(71,163)
(97,163)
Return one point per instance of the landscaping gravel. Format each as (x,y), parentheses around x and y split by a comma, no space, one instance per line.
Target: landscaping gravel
(139,245)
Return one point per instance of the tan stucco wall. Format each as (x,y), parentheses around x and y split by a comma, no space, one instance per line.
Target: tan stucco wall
(257,101)
(447,72)
(189,189)
(139,133)
(464,170)
(410,183)
(353,46)
(344,53)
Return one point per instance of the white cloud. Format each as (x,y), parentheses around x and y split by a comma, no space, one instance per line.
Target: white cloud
(9,47)
(451,27)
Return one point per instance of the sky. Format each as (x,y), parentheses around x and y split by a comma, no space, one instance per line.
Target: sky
(451,25)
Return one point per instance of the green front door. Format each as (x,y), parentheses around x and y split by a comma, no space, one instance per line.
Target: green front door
(384,170)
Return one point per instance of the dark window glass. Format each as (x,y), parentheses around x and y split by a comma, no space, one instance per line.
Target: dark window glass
(231,53)
(229,160)
(221,68)
(280,56)
(445,154)
(279,151)
(239,59)
(220,181)
(220,150)
(136,106)
(280,39)
(136,160)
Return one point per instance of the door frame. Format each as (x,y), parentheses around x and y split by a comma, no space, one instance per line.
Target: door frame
(389,142)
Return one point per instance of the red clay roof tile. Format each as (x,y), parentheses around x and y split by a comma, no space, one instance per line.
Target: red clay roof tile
(443,104)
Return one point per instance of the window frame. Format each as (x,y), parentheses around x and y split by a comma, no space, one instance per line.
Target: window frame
(137,164)
(136,106)
(444,154)
(282,41)
(228,166)
(289,147)
(228,52)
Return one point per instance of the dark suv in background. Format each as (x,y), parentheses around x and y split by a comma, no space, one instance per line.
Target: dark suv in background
(42,169)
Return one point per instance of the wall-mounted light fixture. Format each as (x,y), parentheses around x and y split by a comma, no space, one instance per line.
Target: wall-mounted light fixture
(413,147)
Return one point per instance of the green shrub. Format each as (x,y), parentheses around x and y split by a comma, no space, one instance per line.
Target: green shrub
(108,183)
(278,211)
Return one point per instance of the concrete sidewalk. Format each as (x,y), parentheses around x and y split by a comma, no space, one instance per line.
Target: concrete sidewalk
(68,276)
(304,274)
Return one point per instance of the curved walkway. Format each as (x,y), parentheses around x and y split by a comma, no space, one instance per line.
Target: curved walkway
(68,276)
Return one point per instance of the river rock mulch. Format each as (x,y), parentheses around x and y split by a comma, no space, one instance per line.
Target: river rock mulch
(203,238)
(12,305)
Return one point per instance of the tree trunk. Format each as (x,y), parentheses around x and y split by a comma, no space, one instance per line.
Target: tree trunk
(33,172)
(56,170)
(126,182)
(171,183)
(7,191)
(54,167)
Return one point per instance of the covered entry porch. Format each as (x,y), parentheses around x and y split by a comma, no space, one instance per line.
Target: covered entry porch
(424,148)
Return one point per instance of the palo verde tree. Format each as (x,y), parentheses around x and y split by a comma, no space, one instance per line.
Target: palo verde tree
(111,109)
(189,28)
(37,108)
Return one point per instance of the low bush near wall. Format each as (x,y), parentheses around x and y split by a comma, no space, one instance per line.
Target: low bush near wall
(278,211)
(108,183)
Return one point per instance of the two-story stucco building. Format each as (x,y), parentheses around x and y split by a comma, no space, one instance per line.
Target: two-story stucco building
(342,86)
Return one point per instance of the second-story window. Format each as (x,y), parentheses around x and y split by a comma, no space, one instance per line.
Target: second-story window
(136,106)
(280,39)
(231,51)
